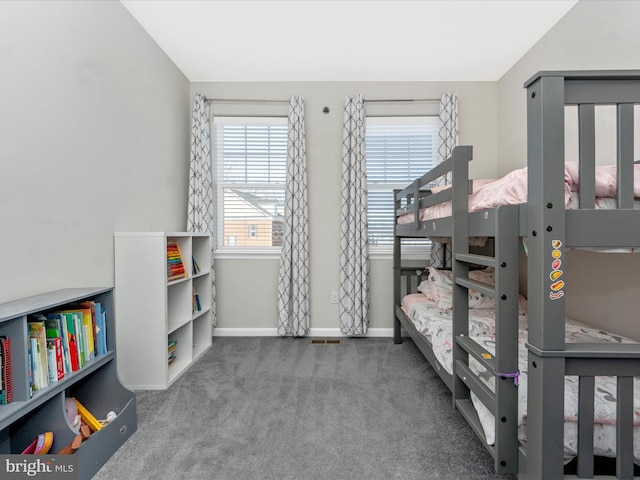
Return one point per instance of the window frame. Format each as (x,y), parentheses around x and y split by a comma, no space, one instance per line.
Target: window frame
(228,251)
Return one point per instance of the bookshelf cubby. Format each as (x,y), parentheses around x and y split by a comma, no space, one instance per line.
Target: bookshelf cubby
(154,307)
(96,385)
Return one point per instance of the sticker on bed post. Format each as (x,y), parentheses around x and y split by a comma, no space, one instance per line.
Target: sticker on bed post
(557,285)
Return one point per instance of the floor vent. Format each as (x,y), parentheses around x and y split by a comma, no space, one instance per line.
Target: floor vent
(326,341)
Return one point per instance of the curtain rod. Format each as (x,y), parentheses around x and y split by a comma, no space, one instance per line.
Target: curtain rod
(245,100)
(402,100)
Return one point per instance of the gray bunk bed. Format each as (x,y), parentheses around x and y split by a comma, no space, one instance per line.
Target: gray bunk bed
(546,226)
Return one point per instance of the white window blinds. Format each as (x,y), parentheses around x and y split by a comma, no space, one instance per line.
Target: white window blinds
(398,149)
(251,159)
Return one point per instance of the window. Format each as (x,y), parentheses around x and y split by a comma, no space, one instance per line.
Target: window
(250,174)
(278,232)
(398,149)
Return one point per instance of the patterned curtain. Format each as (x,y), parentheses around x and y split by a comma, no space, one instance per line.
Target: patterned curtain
(441,252)
(200,204)
(354,247)
(293,275)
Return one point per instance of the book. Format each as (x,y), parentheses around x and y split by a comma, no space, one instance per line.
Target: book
(35,371)
(171,348)
(57,328)
(37,335)
(96,312)
(85,318)
(103,330)
(76,327)
(6,381)
(87,416)
(99,329)
(73,342)
(56,363)
(51,363)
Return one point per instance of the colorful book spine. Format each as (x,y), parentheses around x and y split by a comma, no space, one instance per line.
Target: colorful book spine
(39,351)
(34,353)
(171,350)
(51,362)
(56,362)
(6,390)
(56,327)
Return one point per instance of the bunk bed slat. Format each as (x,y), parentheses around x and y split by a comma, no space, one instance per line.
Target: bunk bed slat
(478,352)
(479,286)
(475,259)
(624,428)
(625,155)
(470,379)
(586,388)
(587,152)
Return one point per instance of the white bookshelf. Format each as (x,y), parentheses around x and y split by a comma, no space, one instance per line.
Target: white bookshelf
(152,310)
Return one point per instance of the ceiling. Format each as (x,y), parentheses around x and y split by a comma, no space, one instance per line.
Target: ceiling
(346,40)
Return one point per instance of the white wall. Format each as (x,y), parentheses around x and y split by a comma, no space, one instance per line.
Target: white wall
(593,35)
(247,288)
(94,137)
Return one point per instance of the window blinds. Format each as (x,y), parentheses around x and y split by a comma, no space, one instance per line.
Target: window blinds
(398,149)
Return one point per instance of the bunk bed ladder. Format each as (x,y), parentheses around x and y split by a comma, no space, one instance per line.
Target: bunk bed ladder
(502,402)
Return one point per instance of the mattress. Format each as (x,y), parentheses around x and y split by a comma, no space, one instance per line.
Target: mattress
(436,324)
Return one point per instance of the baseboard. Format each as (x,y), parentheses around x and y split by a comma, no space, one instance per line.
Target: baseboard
(315,332)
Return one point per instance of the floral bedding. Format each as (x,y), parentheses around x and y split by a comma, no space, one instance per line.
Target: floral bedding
(436,324)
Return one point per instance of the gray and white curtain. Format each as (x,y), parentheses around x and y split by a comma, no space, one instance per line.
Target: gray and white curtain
(200,206)
(293,275)
(441,252)
(354,247)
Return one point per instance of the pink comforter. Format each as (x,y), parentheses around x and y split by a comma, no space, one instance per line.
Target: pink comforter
(512,189)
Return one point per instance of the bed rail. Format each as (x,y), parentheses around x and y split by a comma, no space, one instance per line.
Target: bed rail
(417,196)
(406,281)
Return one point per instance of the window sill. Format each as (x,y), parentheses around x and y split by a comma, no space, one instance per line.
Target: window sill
(247,253)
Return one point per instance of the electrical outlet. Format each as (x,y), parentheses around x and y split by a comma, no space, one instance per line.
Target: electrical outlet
(334,297)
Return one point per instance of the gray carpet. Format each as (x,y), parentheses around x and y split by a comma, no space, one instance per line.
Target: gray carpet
(281,408)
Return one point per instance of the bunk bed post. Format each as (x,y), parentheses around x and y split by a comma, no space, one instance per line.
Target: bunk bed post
(507,243)
(462,155)
(546,303)
(397,265)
